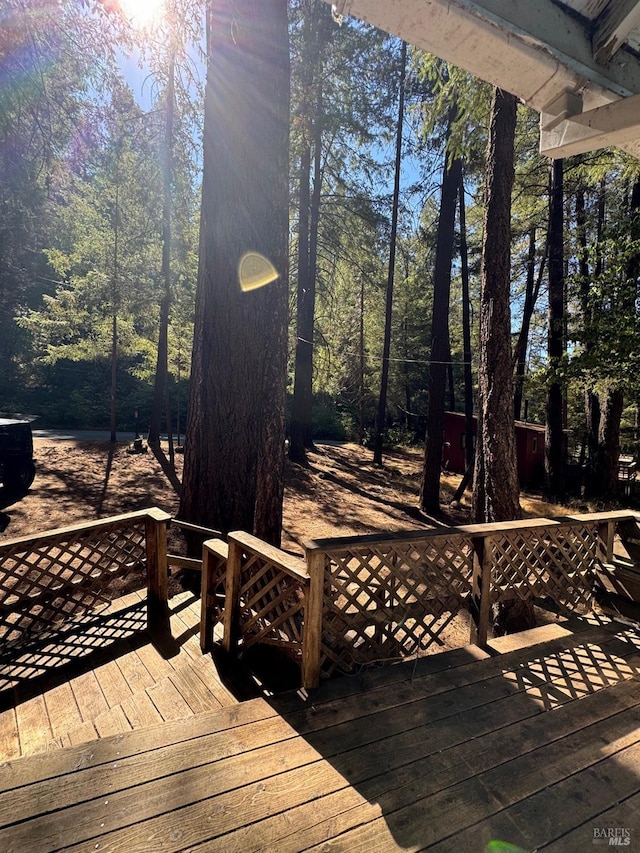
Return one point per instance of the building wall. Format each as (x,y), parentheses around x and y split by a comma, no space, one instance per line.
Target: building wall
(529,448)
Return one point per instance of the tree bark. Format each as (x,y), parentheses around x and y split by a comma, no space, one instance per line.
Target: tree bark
(303,375)
(496,491)
(531,297)
(440,351)
(386,349)
(611,405)
(466,331)
(554,459)
(234,457)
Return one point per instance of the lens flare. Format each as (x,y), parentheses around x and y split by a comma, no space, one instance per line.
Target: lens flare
(254,271)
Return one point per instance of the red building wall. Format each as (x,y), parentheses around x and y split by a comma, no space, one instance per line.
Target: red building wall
(529,448)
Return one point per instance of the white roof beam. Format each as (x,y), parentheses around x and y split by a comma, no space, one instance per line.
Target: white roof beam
(613,26)
(617,123)
(531,48)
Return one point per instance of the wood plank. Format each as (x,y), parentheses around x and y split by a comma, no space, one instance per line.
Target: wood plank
(625,815)
(125,805)
(140,711)
(433,774)
(194,691)
(100,753)
(62,709)
(88,695)
(411,756)
(212,817)
(112,722)
(135,672)
(381,693)
(187,635)
(9,737)
(33,725)
(157,665)
(84,733)
(519,781)
(113,684)
(167,699)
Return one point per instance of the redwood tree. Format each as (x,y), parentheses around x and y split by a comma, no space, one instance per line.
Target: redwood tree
(495,489)
(234,459)
(440,349)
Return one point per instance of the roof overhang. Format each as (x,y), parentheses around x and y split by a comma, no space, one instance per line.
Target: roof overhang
(576,63)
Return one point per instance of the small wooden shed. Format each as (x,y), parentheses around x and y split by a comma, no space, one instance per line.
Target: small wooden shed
(529,448)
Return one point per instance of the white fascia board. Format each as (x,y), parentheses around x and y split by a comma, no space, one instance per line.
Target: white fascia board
(617,124)
(531,48)
(613,27)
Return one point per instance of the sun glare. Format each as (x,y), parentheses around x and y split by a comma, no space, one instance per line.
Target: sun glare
(143,14)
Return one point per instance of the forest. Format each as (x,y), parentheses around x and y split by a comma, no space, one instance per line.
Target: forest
(105,233)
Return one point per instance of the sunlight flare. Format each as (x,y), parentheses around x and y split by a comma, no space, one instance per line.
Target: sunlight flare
(143,14)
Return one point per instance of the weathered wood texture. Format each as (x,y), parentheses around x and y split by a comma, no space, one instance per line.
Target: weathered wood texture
(110,680)
(50,581)
(388,598)
(266,593)
(533,747)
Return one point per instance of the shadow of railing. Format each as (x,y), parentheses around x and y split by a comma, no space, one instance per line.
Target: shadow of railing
(454,754)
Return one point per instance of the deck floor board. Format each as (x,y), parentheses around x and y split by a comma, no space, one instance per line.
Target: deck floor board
(531,747)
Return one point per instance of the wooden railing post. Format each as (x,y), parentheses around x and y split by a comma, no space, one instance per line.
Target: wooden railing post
(156,523)
(482,559)
(214,561)
(232,596)
(312,629)
(606,535)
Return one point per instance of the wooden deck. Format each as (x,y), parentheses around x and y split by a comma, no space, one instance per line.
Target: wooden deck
(537,746)
(103,676)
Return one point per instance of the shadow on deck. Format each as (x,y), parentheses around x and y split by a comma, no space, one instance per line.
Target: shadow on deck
(535,743)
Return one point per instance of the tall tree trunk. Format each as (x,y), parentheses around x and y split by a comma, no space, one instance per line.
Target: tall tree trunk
(361,363)
(591,402)
(234,456)
(531,297)
(466,330)
(554,458)
(611,405)
(496,491)
(160,388)
(593,479)
(440,352)
(115,288)
(386,349)
(303,375)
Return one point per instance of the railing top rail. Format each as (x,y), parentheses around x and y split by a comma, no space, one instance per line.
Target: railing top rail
(293,566)
(61,532)
(197,528)
(344,543)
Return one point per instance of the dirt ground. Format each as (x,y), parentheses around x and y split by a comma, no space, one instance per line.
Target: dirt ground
(341,492)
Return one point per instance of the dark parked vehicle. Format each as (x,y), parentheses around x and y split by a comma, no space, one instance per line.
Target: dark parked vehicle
(16,453)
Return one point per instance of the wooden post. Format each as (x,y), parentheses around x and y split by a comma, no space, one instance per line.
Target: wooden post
(312,629)
(156,523)
(606,534)
(481,590)
(233,582)
(214,558)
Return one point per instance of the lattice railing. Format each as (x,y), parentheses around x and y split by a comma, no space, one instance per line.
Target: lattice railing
(555,563)
(388,600)
(55,577)
(367,599)
(267,597)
